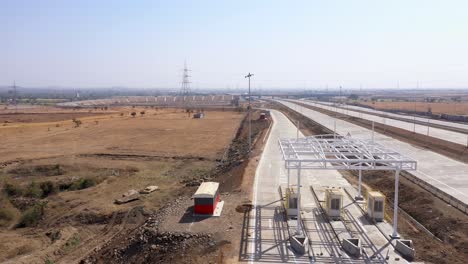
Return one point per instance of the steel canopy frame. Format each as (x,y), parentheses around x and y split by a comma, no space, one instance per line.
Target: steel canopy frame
(334,152)
(326,152)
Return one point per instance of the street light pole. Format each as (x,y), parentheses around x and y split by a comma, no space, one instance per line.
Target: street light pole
(250,114)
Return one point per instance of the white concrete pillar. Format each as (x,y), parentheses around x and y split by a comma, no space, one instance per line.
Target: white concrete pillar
(359,185)
(288,176)
(299,230)
(297,131)
(428,126)
(395,206)
(372,131)
(334,127)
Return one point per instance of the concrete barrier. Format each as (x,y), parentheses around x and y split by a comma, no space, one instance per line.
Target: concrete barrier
(352,246)
(463,207)
(405,248)
(300,244)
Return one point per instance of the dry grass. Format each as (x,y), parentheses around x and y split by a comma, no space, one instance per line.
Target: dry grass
(158,132)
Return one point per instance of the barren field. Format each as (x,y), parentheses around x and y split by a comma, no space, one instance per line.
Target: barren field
(59,178)
(436,108)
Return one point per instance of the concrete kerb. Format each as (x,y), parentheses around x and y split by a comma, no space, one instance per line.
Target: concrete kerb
(463,207)
(352,246)
(405,248)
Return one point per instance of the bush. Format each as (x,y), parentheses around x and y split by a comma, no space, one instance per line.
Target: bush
(13,189)
(48,188)
(33,215)
(82,183)
(33,190)
(77,122)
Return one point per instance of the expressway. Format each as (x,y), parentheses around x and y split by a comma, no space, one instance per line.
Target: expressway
(455,137)
(268,234)
(402,116)
(437,170)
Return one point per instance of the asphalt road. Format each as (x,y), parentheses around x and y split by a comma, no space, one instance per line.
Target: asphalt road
(456,137)
(407,116)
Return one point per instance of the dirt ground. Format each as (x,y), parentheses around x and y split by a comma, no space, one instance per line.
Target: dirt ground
(445,222)
(161,132)
(199,239)
(452,108)
(118,152)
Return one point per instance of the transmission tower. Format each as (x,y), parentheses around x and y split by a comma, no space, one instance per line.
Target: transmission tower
(185,90)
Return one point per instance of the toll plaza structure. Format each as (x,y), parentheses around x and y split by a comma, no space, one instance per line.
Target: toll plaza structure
(334,152)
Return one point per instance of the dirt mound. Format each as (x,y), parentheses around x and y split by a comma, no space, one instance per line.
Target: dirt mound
(149,246)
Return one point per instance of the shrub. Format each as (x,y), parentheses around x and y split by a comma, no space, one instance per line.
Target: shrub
(33,215)
(77,122)
(133,114)
(71,243)
(13,189)
(33,190)
(48,188)
(64,185)
(82,183)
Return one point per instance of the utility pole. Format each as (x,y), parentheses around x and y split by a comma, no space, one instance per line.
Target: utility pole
(250,114)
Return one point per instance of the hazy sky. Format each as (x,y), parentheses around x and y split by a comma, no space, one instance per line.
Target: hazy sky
(284,43)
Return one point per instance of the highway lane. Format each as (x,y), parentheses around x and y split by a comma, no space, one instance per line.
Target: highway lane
(268,241)
(407,116)
(455,137)
(439,171)
(269,235)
